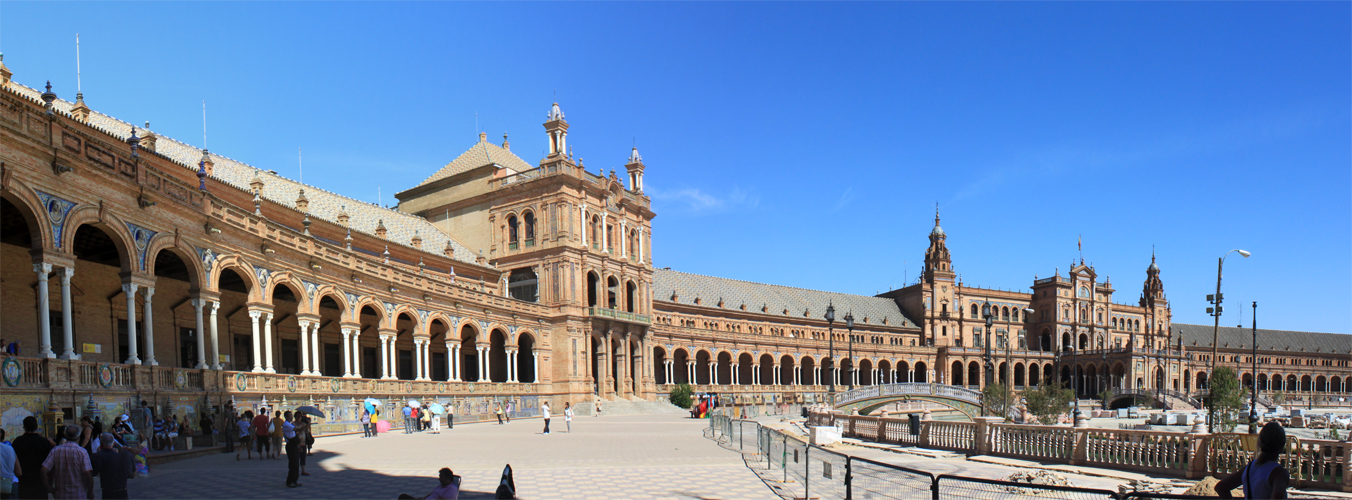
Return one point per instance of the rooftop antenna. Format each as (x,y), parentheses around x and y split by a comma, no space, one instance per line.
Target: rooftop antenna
(78,90)
(204,124)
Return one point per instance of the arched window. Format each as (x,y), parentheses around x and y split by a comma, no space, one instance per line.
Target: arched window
(975,313)
(595,232)
(1004,313)
(1016,314)
(512,234)
(530,227)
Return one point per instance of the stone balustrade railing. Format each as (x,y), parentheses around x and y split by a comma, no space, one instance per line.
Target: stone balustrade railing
(1313,463)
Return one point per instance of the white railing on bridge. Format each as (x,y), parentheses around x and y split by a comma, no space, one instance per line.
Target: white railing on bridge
(906,389)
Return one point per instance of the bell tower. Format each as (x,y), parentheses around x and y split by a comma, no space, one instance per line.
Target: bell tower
(1155,304)
(635,168)
(557,128)
(938,263)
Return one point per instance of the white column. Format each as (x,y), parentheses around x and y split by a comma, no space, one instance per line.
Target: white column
(450,363)
(215,340)
(257,354)
(394,357)
(314,349)
(149,321)
(200,333)
(624,237)
(267,344)
(640,245)
(453,358)
(356,352)
(347,352)
(713,365)
(386,346)
(129,289)
(605,235)
(67,329)
(44,311)
(535,362)
(816,375)
(582,212)
(485,371)
(304,346)
(423,360)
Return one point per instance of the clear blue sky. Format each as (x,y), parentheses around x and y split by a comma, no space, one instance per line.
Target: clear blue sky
(797,143)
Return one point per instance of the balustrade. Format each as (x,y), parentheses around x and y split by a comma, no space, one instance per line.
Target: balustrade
(1147,451)
(959,436)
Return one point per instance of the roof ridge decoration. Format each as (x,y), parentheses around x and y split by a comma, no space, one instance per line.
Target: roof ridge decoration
(278,189)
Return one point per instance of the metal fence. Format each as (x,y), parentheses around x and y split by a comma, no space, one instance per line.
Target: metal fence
(803,470)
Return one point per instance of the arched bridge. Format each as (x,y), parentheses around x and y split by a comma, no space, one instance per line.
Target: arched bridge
(869,398)
(1167,397)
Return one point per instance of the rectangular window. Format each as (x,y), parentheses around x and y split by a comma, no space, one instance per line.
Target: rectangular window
(333,360)
(187,350)
(573,355)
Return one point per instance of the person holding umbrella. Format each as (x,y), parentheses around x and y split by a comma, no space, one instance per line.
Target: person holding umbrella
(436,410)
(366,422)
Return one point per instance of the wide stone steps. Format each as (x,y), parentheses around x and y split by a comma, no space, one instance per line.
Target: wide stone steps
(639,407)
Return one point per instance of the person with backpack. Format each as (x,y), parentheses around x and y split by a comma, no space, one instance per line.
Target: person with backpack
(366,423)
(1264,477)
(113,467)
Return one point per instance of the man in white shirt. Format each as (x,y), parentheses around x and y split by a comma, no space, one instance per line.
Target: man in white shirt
(544,410)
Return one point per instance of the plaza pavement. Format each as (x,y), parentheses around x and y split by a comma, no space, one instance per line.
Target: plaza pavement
(622,456)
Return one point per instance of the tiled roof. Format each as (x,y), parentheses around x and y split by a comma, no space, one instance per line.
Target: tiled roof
(480,154)
(774,298)
(363,216)
(1278,340)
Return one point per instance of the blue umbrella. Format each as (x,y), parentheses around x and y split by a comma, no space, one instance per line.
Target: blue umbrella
(372,404)
(437,409)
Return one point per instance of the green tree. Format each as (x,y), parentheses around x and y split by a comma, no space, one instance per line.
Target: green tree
(1226,400)
(1104,396)
(1048,402)
(681,395)
(1278,398)
(998,400)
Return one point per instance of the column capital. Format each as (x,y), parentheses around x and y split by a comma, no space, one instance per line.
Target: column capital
(197,304)
(42,269)
(129,288)
(149,291)
(254,313)
(215,306)
(312,318)
(65,273)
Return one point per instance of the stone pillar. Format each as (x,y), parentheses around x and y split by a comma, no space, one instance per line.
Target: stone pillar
(315,350)
(215,340)
(535,362)
(452,362)
(484,371)
(200,333)
(149,321)
(257,354)
(384,356)
(129,290)
(984,434)
(67,329)
(44,311)
(267,344)
(356,352)
(347,352)
(304,345)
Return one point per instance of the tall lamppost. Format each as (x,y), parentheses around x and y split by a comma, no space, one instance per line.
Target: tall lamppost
(990,364)
(854,366)
(831,349)
(1215,312)
(1253,400)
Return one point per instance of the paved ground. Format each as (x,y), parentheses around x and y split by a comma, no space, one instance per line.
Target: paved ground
(630,456)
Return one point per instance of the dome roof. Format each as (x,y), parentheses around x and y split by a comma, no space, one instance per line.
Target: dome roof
(938,231)
(1153,268)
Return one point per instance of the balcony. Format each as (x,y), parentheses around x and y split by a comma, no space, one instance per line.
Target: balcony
(618,315)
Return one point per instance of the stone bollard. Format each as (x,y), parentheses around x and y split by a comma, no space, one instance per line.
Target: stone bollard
(1199,446)
(984,433)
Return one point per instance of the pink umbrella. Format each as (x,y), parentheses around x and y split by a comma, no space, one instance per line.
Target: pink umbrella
(383,426)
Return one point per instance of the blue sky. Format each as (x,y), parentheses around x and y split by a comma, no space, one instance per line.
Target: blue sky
(798,143)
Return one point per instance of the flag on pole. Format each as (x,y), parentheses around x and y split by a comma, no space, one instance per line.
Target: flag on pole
(1079,244)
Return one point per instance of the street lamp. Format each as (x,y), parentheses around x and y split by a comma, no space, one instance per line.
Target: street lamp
(831,349)
(1215,312)
(1253,400)
(990,364)
(854,368)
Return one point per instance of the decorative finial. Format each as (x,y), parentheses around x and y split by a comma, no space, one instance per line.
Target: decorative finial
(202,172)
(135,143)
(387,254)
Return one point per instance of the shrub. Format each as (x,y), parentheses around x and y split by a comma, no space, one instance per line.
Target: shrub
(1048,402)
(681,395)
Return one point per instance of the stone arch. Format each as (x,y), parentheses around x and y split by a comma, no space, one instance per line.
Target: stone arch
(865,371)
(922,372)
(334,293)
(452,327)
(959,374)
(34,214)
(114,227)
(524,332)
(284,278)
(497,354)
(375,305)
(196,272)
(240,267)
(419,326)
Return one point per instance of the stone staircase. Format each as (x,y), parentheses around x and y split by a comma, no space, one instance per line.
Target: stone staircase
(631,407)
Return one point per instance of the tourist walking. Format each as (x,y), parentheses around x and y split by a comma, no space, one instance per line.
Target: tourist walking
(598,408)
(365,423)
(261,433)
(292,452)
(426,419)
(304,434)
(375,419)
(31,449)
(408,416)
(112,467)
(435,423)
(9,468)
(275,433)
(499,413)
(245,427)
(568,416)
(67,469)
(508,411)
(544,411)
(1264,477)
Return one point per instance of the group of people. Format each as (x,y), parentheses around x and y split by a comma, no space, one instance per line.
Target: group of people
(12,348)
(284,431)
(370,423)
(417,419)
(35,466)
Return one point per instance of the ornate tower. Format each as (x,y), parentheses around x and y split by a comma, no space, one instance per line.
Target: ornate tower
(942,309)
(938,264)
(557,129)
(635,168)
(1155,304)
